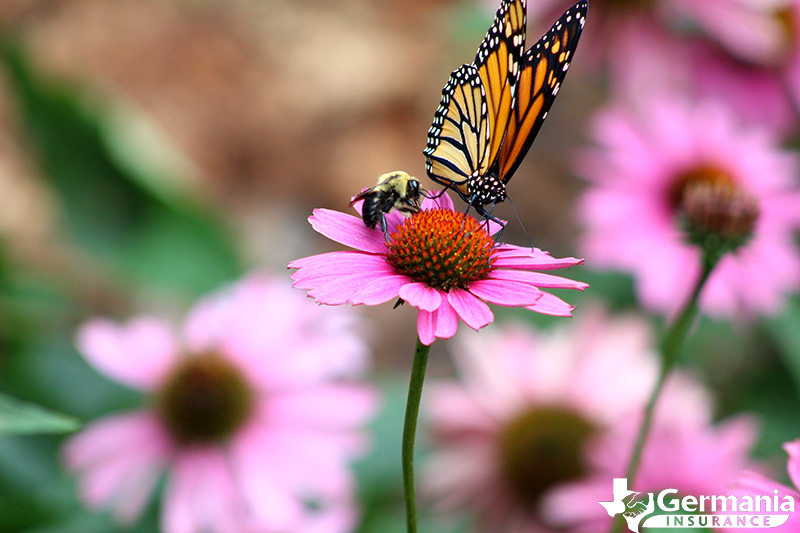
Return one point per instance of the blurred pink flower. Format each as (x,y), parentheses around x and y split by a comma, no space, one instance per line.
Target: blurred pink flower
(440,261)
(246,419)
(530,406)
(755,484)
(638,171)
(650,63)
(757,31)
(683,451)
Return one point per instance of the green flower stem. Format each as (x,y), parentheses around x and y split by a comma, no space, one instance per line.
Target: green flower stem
(410,431)
(670,349)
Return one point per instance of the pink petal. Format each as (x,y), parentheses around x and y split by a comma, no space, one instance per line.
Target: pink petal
(421,296)
(335,278)
(551,305)
(323,407)
(515,257)
(474,312)
(138,354)
(445,321)
(441,323)
(426,327)
(508,293)
(537,279)
(753,483)
(337,264)
(201,495)
(379,290)
(348,230)
(254,459)
(118,461)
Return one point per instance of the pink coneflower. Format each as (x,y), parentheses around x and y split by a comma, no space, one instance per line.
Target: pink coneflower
(684,451)
(246,416)
(640,171)
(754,485)
(440,261)
(528,409)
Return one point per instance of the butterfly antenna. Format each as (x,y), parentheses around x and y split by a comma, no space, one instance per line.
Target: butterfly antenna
(524,229)
(433,197)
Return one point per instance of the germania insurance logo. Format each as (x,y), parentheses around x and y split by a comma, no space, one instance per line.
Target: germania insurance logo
(666,510)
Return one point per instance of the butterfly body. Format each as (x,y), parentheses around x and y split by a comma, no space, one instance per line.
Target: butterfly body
(394,190)
(491,109)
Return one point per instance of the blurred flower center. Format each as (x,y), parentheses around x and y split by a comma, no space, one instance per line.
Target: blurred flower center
(787,19)
(624,6)
(441,248)
(707,174)
(204,400)
(541,448)
(719,215)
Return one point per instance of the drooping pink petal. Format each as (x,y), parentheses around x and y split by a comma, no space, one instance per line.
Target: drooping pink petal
(474,312)
(538,279)
(506,293)
(445,321)
(137,354)
(348,230)
(517,257)
(421,296)
(551,305)
(441,323)
(426,327)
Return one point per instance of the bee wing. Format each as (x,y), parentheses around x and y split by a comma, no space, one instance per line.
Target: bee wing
(360,196)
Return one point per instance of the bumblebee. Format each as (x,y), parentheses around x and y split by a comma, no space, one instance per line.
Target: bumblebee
(395,190)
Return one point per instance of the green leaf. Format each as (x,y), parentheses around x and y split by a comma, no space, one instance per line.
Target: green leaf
(17,417)
(125,195)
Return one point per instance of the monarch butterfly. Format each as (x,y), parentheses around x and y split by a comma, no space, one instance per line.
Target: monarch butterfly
(492,108)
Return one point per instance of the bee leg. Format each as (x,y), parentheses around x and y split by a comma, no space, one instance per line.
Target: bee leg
(384,227)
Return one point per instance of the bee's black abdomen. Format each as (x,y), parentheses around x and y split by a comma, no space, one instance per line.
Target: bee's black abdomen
(375,205)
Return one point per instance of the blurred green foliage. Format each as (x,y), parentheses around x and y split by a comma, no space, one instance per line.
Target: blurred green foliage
(153,235)
(144,229)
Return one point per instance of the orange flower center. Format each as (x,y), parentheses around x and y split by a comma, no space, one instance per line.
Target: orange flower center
(441,248)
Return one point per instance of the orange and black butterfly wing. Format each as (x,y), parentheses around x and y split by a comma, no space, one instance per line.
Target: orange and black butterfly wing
(542,71)
(498,63)
(482,94)
(459,137)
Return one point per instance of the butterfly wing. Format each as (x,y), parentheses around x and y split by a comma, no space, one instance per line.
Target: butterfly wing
(483,94)
(498,61)
(459,137)
(543,69)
